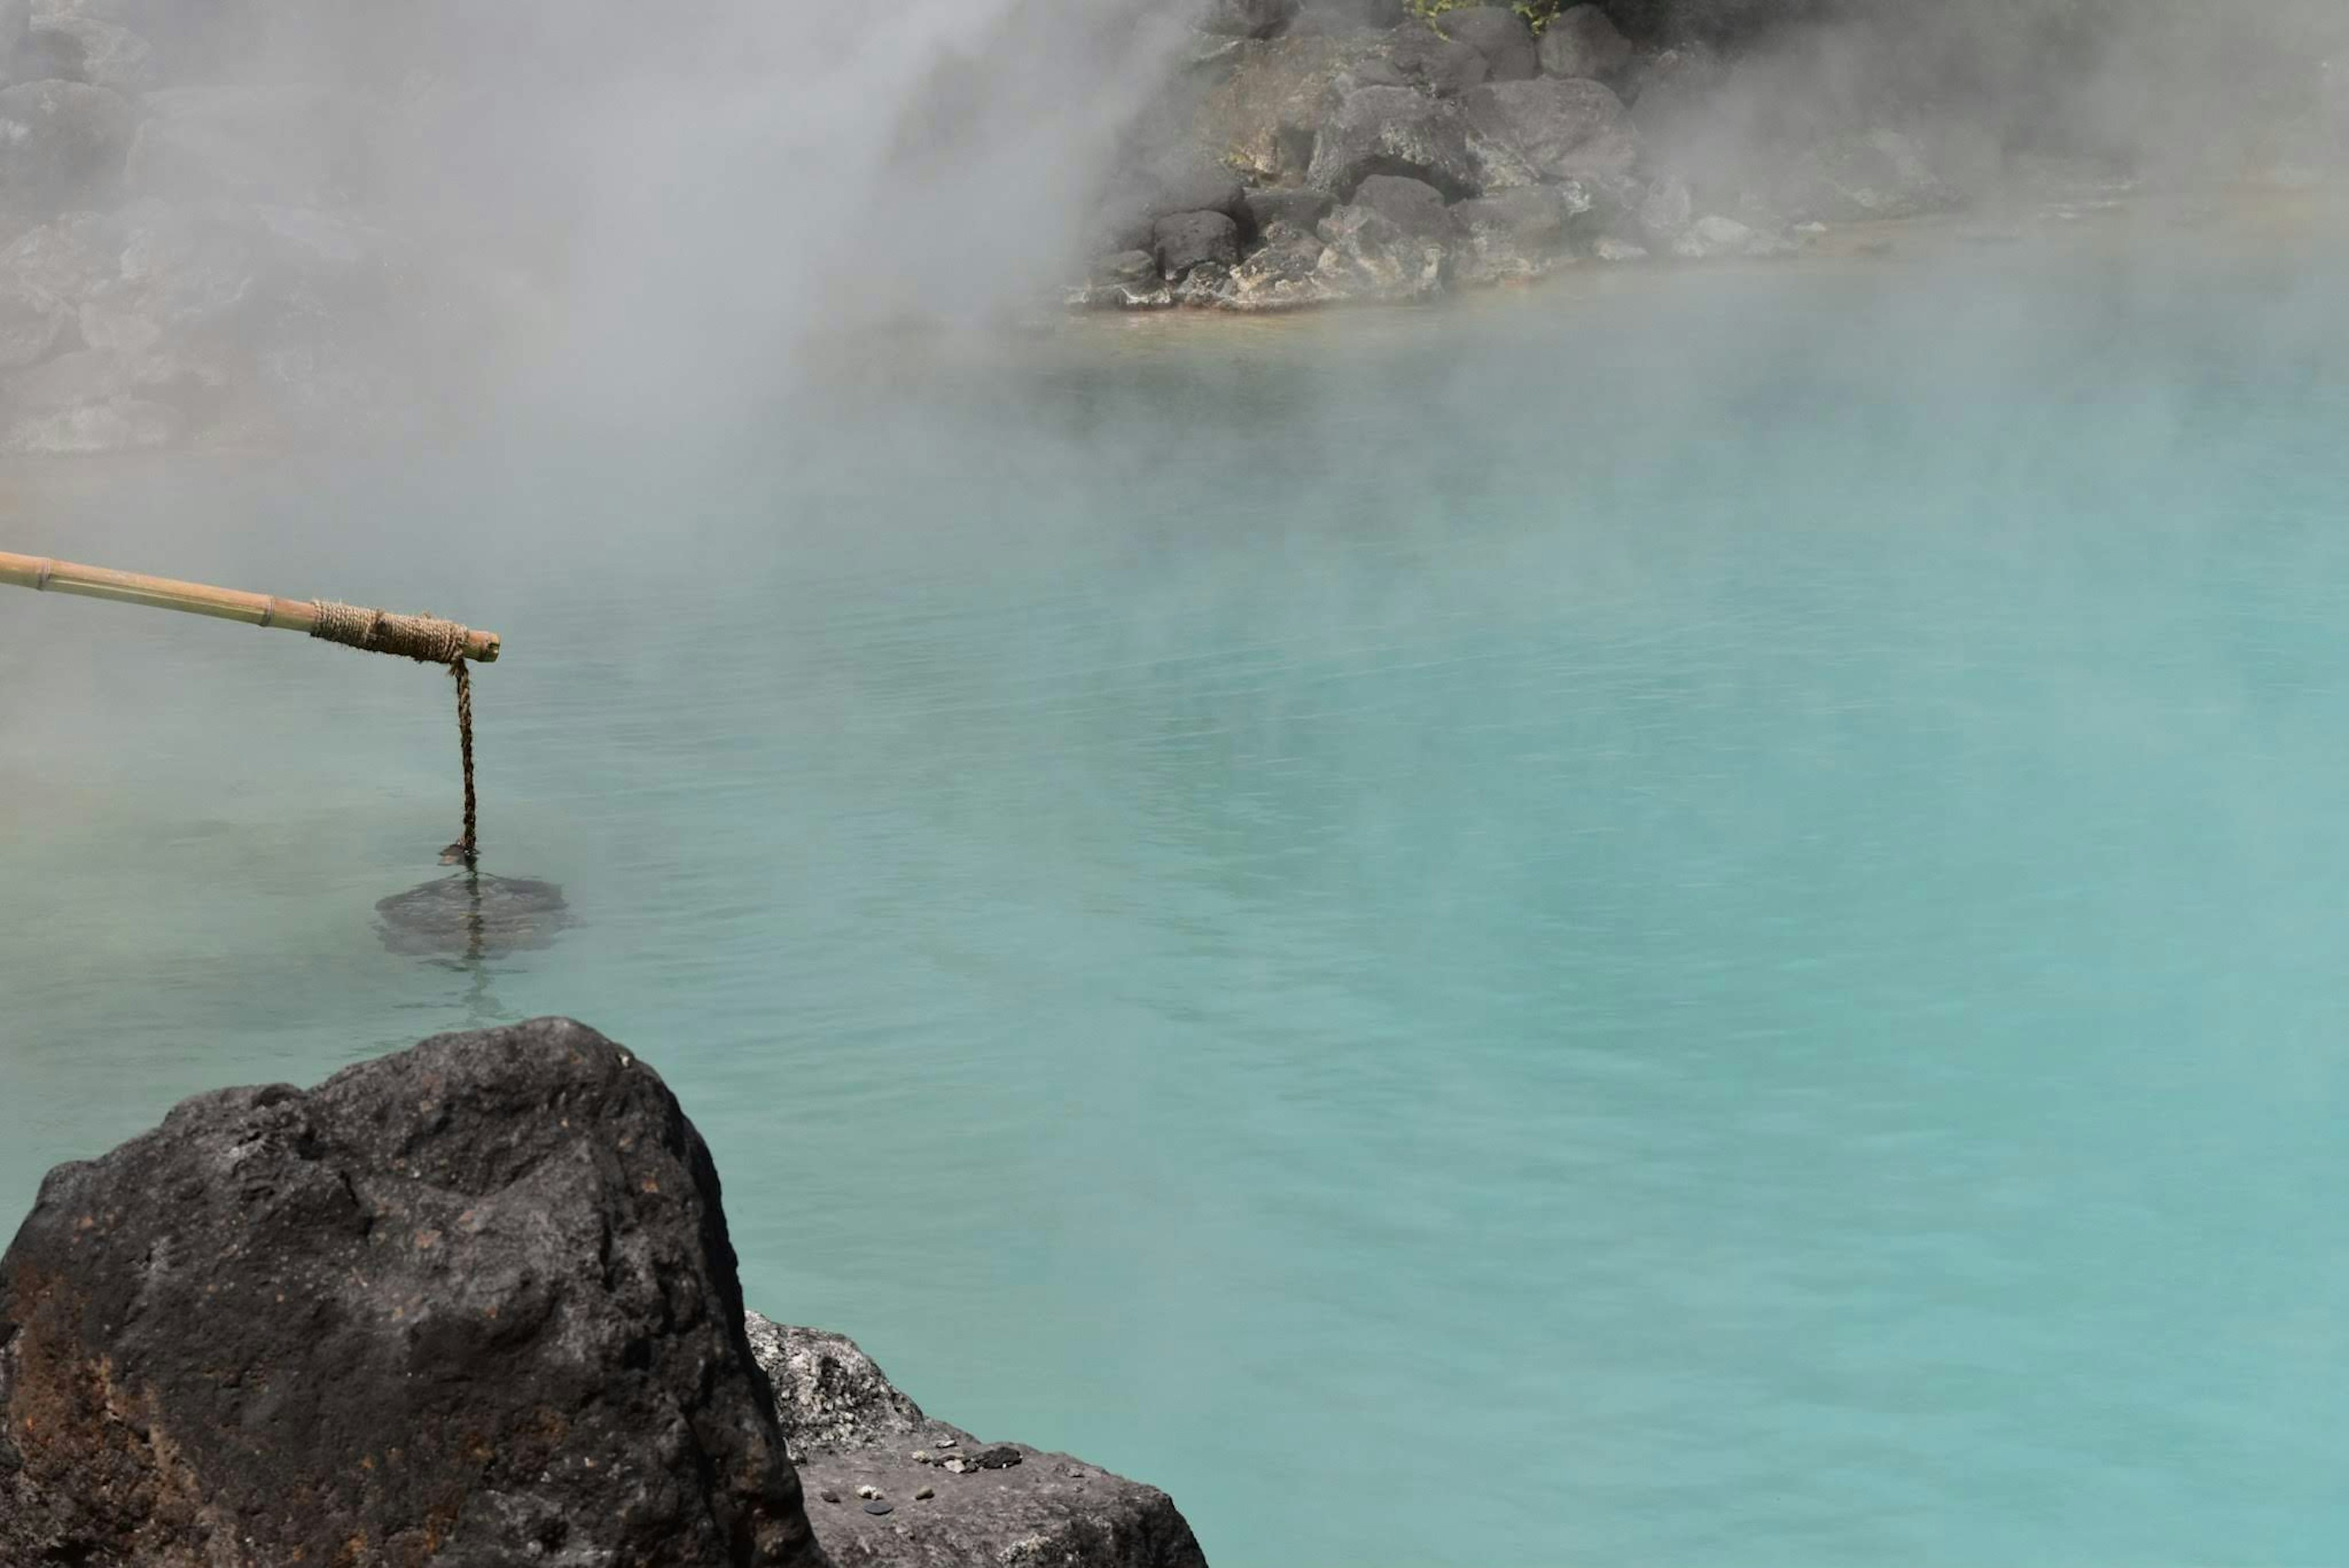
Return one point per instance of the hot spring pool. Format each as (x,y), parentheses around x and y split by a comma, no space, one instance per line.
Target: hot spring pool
(1685,919)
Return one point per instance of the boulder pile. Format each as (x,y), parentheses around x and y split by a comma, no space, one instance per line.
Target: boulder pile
(1352,151)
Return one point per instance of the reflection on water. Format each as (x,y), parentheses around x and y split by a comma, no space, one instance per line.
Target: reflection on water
(1694,923)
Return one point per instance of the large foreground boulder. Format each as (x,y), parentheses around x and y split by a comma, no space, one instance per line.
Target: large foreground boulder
(938,1497)
(471,1304)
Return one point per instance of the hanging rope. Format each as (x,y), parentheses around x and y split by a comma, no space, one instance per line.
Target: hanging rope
(469,847)
(427,640)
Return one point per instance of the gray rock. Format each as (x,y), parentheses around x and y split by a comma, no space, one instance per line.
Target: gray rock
(30,323)
(291,145)
(1121,296)
(1714,238)
(120,424)
(65,257)
(849,1427)
(1187,240)
(1283,275)
(59,141)
(1444,66)
(79,378)
(1666,211)
(1298,206)
(1414,206)
(1247,18)
(1564,129)
(1135,266)
(1515,234)
(1613,248)
(15,28)
(1206,189)
(1499,34)
(1875,174)
(98,53)
(1367,256)
(1393,131)
(1580,41)
(470,1303)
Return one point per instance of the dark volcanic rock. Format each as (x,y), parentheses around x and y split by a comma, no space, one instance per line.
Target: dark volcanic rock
(1414,206)
(473,1304)
(1298,206)
(1499,34)
(1516,234)
(1393,131)
(1581,42)
(1187,240)
(989,1503)
(1563,130)
(1445,67)
(1368,257)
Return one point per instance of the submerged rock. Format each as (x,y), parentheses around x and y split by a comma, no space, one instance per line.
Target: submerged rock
(473,1303)
(467,915)
(852,1434)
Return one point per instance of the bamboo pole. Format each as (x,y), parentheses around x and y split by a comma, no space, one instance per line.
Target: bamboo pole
(224,604)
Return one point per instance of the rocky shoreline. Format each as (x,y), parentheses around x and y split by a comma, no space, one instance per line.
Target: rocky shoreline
(1328,152)
(200,245)
(470,1303)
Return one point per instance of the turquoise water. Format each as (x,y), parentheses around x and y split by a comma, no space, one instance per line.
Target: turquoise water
(1692,919)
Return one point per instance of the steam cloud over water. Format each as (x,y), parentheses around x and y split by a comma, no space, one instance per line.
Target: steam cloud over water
(591,204)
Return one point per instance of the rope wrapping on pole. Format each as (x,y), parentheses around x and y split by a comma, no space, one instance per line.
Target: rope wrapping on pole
(427,640)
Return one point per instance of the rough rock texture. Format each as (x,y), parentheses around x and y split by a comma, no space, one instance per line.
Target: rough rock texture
(1298,206)
(1444,66)
(1283,275)
(1513,235)
(1581,42)
(1499,34)
(1369,256)
(999,1503)
(1186,240)
(1411,205)
(471,1304)
(1393,131)
(1563,130)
